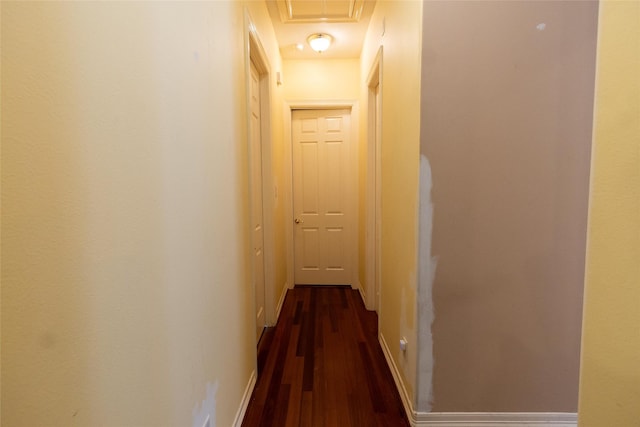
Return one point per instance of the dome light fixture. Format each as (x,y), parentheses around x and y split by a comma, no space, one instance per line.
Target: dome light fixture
(319,41)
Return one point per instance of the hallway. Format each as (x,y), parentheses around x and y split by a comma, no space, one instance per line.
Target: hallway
(322,365)
(496,200)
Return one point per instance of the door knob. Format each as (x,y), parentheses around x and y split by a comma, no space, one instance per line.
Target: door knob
(298,221)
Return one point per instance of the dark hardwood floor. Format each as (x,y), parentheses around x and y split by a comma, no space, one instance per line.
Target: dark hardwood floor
(322,366)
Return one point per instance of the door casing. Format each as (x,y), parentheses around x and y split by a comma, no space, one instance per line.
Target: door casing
(254,51)
(373,209)
(289,107)
(331,222)
(257,200)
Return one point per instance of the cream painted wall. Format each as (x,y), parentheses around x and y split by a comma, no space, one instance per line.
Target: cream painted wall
(400,169)
(610,371)
(126,296)
(506,122)
(321,79)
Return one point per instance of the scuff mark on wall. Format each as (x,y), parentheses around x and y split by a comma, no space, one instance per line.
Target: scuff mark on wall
(426,275)
(206,409)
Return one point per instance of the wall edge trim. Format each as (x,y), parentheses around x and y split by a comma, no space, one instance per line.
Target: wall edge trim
(246,398)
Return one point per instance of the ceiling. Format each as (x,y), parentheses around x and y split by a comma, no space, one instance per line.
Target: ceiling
(345,20)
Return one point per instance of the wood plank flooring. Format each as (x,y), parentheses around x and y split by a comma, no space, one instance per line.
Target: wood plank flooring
(322,366)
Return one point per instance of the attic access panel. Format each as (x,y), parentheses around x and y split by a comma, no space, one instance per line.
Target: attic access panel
(301,11)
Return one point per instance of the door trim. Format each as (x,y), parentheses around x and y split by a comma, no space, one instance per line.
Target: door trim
(289,106)
(254,51)
(373,191)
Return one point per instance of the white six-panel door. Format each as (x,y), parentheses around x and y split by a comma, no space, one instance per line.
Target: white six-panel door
(256,201)
(322,197)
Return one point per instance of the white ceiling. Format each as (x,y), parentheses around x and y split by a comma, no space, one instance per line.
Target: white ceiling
(345,20)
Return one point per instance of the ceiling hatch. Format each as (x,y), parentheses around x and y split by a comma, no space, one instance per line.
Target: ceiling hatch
(301,11)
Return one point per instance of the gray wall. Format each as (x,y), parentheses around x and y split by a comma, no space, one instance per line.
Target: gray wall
(506,126)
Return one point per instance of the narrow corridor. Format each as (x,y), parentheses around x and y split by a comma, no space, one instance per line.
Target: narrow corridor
(322,365)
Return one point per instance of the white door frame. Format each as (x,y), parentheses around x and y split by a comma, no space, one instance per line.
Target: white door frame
(289,106)
(254,51)
(373,191)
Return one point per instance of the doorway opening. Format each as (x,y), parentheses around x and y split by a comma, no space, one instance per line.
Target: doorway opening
(258,74)
(324,132)
(373,187)
(322,190)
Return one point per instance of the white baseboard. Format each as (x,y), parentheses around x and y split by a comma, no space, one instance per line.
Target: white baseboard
(285,288)
(362,294)
(404,395)
(472,419)
(246,397)
(500,419)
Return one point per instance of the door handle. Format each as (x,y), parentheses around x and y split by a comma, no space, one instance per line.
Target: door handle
(298,221)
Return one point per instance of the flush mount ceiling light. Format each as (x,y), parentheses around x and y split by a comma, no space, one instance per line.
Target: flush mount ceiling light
(319,42)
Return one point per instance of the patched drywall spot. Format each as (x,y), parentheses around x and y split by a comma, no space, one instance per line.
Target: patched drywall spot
(426,274)
(205,412)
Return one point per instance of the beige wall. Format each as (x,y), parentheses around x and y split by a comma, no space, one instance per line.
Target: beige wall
(400,166)
(506,125)
(126,296)
(321,79)
(610,371)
